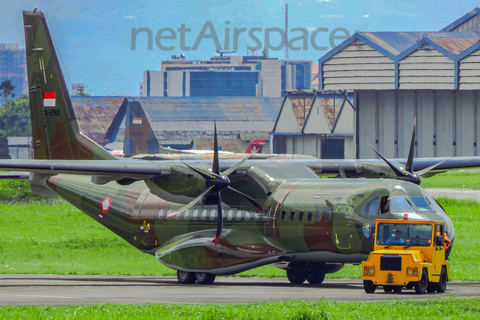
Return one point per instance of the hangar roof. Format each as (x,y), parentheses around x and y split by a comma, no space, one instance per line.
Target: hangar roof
(96,114)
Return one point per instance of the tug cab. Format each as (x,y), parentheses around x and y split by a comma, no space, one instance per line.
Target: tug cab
(407,254)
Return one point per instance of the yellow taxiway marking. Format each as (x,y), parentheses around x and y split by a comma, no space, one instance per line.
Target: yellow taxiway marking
(34,295)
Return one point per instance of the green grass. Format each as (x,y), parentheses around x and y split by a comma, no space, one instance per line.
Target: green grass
(439,308)
(44,236)
(463,179)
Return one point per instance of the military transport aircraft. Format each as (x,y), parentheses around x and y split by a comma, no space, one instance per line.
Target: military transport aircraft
(205,219)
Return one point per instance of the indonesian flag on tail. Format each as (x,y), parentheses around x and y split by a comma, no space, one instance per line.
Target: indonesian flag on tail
(137,120)
(49,99)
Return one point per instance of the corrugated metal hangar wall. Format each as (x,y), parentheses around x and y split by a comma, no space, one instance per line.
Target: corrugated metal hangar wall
(397,76)
(447,122)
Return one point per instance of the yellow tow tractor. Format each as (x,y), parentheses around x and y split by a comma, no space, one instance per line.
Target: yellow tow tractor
(407,253)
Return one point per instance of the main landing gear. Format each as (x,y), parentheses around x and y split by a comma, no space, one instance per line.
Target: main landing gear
(314,273)
(185,277)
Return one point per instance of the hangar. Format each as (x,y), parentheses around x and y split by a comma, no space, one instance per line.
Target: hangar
(433,76)
(185,122)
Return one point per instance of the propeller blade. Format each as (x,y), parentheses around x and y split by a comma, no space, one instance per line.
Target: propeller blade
(191,204)
(424,171)
(219,219)
(216,164)
(206,176)
(409,165)
(394,168)
(248,198)
(233,168)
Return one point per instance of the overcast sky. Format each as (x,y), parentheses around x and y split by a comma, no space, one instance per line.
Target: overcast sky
(94,37)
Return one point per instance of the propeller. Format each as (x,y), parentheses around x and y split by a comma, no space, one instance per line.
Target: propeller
(407,174)
(216,181)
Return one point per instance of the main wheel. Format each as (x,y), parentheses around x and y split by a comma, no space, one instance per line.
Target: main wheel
(387,289)
(441,286)
(422,285)
(204,277)
(397,289)
(186,277)
(296,276)
(369,286)
(315,277)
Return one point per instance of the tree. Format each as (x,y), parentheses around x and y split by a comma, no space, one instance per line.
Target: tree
(6,88)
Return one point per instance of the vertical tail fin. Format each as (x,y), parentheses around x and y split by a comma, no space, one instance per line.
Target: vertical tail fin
(255,146)
(55,129)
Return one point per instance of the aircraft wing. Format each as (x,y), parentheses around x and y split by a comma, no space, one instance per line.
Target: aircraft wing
(120,169)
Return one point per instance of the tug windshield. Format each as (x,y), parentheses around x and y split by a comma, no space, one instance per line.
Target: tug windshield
(403,234)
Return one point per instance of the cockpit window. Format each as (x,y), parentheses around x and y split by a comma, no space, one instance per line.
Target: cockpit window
(421,204)
(434,204)
(371,207)
(400,204)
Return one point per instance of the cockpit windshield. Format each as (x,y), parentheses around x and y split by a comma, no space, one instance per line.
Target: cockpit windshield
(401,204)
(403,234)
(422,204)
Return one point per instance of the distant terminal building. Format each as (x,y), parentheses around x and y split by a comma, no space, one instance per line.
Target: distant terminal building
(398,76)
(13,67)
(20,147)
(248,76)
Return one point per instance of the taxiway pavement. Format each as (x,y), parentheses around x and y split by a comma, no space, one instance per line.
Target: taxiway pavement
(82,290)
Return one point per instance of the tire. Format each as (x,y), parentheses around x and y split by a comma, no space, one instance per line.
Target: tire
(204,277)
(315,277)
(186,277)
(296,276)
(441,286)
(387,289)
(369,286)
(422,285)
(397,289)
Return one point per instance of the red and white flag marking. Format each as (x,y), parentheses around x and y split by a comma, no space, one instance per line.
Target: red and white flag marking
(137,120)
(49,100)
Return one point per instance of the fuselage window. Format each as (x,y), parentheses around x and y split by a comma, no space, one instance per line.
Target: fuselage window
(187,215)
(300,215)
(160,214)
(310,215)
(371,207)
(247,215)
(168,212)
(212,214)
(284,215)
(319,216)
(239,215)
(178,216)
(195,214)
(328,216)
(204,214)
(256,216)
(292,215)
(230,215)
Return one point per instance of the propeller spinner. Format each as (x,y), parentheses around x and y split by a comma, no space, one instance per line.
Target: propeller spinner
(216,181)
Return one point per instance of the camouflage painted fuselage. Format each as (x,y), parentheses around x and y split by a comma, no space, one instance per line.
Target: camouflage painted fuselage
(305,220)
